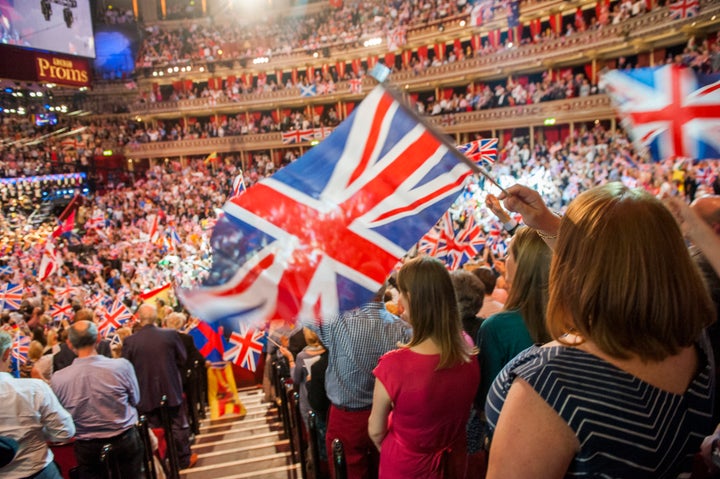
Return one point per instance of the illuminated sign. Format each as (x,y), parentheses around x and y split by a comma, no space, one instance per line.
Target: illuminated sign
(62,70)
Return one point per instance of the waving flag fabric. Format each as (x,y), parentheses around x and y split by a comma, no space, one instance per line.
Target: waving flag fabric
(49,262)
(245,347)
(669,110)
(238,185)
(62,310)
(320,235)
(19,352)
(114,318)
(208,341)
(683,9)
(453,245)
(482,150)
(11,297)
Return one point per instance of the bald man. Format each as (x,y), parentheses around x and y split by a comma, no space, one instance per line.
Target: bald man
(158,356)
(101,394)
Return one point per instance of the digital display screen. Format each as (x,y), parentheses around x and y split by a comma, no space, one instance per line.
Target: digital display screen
(61,26)
(45,119)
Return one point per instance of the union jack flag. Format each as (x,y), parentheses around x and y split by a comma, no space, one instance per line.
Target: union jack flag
(297,136)
(19,352)
(245,348)
(49,262)
(61,310)
(238,185)
(321,235)
(322,132)
(114,318)
(464,244)
(67,292)
(683,9)
(96,221)
(669,110)
(11,296)
(484,149)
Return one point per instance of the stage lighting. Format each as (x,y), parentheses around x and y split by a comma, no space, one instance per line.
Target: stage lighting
(68,16)
(46,9)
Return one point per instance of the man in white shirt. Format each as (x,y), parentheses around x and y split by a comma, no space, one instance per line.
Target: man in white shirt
(31,415)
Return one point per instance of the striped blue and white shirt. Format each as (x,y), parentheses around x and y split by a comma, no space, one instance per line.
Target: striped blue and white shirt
(626,427)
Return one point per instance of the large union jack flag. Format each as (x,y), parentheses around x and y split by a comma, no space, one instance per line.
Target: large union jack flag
(19,352)
(321,234)
(298,136)
(482,150)
(669,110)
(11,296)
(244,348)
(62,310)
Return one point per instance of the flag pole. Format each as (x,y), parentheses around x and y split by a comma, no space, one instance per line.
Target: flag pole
(392,91)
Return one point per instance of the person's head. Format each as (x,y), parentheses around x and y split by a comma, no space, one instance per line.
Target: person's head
(469,293)
(488,278)
(311,338)
(5,349)
(428,299)
(147,314)
(708,208)
(84,314)
(35,350)
(82,335)
(528,269)
(623,278)
(175,320)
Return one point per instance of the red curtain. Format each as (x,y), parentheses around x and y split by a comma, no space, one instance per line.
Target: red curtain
(310,73)
(589,73)
(340,67)
(556,23)
(356,64)
(390,60)
(494,38)
(535,28)
(457,47)
(422,52)
(440,51)
(447,93)
(325,69)
(406,57)
(371,61)
(294,76)
(350,106)
(476,42)
(515,34)
(177,85)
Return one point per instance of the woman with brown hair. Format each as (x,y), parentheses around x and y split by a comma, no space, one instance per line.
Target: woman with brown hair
(522,323)
(427,385)
(625,389)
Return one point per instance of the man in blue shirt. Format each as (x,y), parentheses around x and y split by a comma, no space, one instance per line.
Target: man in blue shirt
(355,341)
(101,394)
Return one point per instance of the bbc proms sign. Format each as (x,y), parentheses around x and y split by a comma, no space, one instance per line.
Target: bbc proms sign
(62,70)
(34,66)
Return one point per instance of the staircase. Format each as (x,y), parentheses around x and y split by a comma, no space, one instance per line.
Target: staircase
(240,447)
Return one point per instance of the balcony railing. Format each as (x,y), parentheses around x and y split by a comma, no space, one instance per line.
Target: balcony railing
(562,111)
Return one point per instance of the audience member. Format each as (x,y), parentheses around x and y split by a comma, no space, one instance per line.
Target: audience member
(427,385)
(101,394)
(631,324)
(32,416)
(469,292)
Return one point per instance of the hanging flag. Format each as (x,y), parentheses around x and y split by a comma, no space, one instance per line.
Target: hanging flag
(208,341)
(244,348)
(223,397)
(683,9)
(49,262)
(114,318)
(482,150)
(11,296)
(321,234)
(19,352)
(161,292)
(308,90)
(355,85)
(669,110)
(322,132)
(297,136)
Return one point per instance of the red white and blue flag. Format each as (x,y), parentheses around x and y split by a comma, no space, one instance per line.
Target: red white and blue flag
(245,348)
(238,186)
(298,136)
(208,341)
(669,110)
(482,150)
(454,246)
(683,9)
(321,235)
(114,318)
(19,352)
(62,310)
(11,296)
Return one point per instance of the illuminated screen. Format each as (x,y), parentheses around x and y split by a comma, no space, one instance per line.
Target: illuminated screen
(117,46)
(61,26)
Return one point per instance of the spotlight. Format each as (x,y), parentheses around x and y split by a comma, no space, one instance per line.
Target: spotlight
(68,17)
(46,9)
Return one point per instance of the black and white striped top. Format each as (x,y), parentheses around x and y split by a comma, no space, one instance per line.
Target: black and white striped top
(626,427)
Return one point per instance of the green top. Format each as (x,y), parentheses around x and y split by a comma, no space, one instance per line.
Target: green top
(502,336)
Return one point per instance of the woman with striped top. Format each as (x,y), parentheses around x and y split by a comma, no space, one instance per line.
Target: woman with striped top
(625,389)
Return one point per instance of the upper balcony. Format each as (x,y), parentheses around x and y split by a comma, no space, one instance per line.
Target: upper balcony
(642,34)
(575,110)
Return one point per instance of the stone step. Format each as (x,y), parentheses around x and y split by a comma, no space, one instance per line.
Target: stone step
(255,413)
(283,472)
(244,429)
(238,423)
(236,468)
(238,453)
(233,443)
